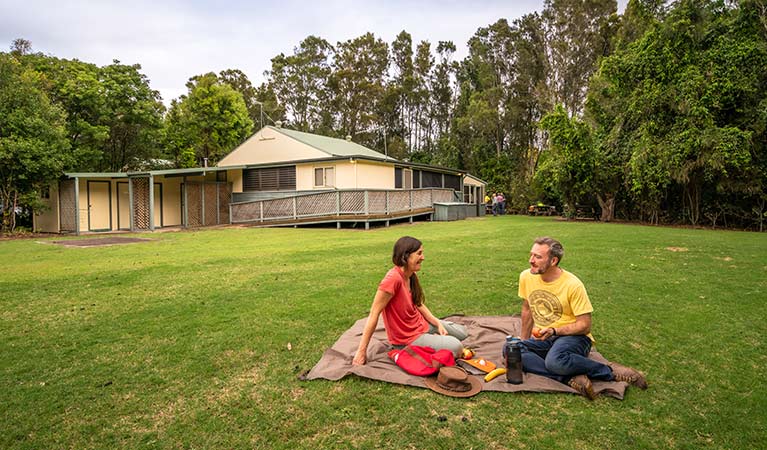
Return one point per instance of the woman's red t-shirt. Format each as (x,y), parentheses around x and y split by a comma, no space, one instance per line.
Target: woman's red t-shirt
(402,320)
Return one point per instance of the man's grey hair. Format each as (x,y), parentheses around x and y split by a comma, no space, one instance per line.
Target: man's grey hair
(555,247)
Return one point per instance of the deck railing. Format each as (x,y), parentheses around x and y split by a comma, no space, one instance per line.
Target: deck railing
(343,204)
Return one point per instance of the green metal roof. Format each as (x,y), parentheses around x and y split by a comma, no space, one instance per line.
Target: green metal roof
(96,174)
(164,172)
(332,146)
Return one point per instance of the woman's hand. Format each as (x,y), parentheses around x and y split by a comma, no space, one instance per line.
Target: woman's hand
(441,329)
(379,303)
(359,359)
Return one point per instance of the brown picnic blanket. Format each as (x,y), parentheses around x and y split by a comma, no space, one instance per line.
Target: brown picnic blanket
(487,335)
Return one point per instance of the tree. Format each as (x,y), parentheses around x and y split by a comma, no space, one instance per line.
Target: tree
(113,117)
(33,143)
(133,114)
(528,102)
(578,34)
(21,47)
(638,18)
(442,92)
(211,120)
(400,93)
(683,109)
(357,83)
(300,82)
(177,141)
(241,83)
(271,108)
(76,86)
(571,162)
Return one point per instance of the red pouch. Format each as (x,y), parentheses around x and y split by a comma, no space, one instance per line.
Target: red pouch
(421,361)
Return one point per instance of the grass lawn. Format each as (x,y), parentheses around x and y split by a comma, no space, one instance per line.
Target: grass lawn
(182,342)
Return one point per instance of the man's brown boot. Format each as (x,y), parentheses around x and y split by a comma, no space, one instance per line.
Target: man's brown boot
(628,375)
(582,384)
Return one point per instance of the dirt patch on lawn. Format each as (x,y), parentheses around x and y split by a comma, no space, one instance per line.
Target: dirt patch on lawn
(101,242)
(677,249)
(24,235)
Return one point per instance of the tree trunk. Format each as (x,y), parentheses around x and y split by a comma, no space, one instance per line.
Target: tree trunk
(5,210)
(692,191)
(13,211)
(608,207)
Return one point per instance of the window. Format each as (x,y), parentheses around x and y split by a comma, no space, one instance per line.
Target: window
(221,175)
(45,192)
(397,178)
(453,182)
(324,177)
(403,178)
(416,179)
(269,179)
(408,179)
(431,179)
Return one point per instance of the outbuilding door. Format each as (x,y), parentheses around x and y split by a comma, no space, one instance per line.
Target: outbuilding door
(123,206)
(158,219)
(99,206)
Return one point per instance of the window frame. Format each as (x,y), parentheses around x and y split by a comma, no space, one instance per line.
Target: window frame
(324,170)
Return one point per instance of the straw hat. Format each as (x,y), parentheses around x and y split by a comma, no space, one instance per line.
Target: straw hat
(454,382)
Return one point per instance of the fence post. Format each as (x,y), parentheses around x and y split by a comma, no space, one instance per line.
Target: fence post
(367,207)
(261,211)
(218,205)
(338,203)
(386,203)
(202,196)
(410,192)
(294,208)
(150,183)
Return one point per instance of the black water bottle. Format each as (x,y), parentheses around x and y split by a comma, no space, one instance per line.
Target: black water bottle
(513,361)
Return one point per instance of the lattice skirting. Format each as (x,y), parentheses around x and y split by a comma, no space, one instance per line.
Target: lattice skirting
(67,206)
(141,207)
(207,203)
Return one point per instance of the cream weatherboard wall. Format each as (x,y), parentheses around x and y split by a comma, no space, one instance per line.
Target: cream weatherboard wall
(348,175)
(374,176)
(234,176)
(268,146)
(47,221)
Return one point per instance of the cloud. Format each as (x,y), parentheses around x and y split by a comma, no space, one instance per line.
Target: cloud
(175,40)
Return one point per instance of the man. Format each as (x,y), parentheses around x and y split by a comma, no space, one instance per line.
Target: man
(555,302)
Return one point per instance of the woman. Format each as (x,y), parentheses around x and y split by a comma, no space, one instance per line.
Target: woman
(400,298)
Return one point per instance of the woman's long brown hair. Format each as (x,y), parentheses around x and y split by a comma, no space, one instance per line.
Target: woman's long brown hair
(403,248)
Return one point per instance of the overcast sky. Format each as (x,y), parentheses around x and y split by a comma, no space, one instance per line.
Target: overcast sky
(174,40)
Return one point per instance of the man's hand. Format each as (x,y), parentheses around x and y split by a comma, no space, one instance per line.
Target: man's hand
(547,333)
(541,334)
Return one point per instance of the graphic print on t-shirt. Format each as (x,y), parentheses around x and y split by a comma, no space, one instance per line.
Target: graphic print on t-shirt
(545,306)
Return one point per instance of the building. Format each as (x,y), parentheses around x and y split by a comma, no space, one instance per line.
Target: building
(276,177)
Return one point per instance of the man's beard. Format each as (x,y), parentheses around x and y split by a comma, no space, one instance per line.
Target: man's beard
(541,269)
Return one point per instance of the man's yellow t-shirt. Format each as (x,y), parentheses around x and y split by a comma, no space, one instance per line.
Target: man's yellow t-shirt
(557,303)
